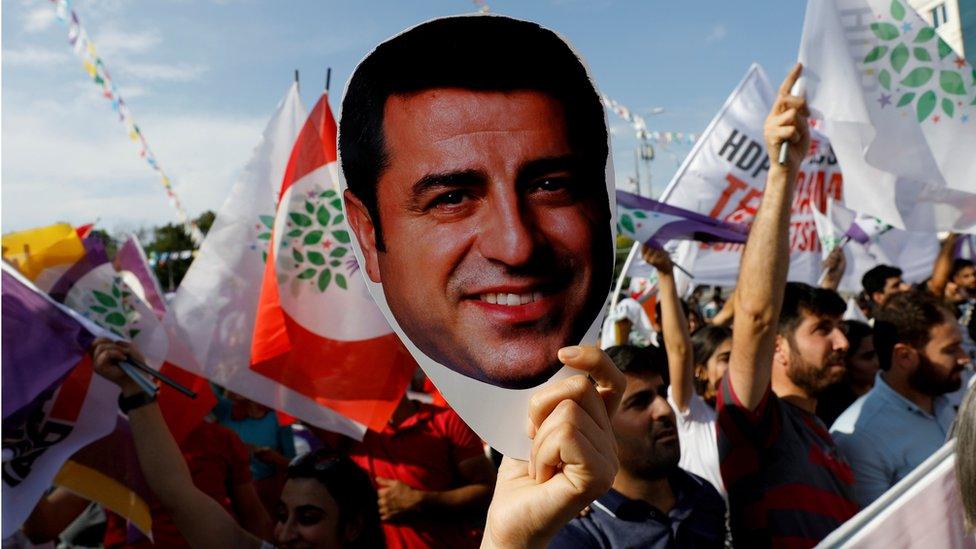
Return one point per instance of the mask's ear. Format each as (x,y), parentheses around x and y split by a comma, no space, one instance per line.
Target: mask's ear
(362,224)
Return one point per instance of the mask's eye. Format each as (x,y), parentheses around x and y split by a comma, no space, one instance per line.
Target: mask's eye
(450,198)
(553,184)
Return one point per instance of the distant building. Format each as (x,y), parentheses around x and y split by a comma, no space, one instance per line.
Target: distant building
(954,20)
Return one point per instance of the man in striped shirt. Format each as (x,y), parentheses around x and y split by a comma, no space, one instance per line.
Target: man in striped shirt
(787,485)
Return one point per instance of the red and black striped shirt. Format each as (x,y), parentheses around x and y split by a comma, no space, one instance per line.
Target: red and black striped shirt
(788,486)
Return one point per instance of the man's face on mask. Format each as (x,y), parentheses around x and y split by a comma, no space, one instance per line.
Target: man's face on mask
(492,233)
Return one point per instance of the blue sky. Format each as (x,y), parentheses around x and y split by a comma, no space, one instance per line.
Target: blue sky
(201,78)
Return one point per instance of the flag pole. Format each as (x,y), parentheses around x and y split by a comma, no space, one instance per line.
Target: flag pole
(328,78)
(137,365)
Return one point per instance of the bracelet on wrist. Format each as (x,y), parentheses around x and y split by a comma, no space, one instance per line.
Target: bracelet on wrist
(138,400)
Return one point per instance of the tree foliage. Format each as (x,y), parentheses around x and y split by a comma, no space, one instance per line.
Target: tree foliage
(173,237)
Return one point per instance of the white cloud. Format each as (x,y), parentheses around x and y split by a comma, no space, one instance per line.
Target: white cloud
(182,72)
(35,57)
(717,33)
(39,19)
(112,42)
(74,163)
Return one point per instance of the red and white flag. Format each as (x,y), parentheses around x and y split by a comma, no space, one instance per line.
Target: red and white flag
(318,331)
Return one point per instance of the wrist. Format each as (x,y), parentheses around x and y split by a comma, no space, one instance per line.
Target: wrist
(129,403)
(422,499)
(129,388)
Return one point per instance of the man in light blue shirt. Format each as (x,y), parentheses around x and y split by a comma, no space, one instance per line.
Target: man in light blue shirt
(905,418)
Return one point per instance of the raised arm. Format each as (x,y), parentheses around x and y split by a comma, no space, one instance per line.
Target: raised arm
(834,267)
(201,520)
(762,273)
(677,340)
(943,266)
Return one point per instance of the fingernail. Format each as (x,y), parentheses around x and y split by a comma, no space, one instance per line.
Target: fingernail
(569,353)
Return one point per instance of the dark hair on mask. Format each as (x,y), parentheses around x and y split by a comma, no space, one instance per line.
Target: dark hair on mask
(634,360)
(874,280)
(799,298)
(351,488)
(907,318)
(483,53)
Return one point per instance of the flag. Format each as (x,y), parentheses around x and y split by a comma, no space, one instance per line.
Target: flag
(130,261)
(53,404)
(210,319)
(181,413)
(966,247)
(655,223)
(923,509)
(876,243)
(866,229)
(317,330)
(44,253)
(107,471)
(899,107)
(724,176)
(95,290)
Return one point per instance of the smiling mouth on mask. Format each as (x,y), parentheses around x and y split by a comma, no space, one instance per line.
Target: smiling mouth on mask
(511,299)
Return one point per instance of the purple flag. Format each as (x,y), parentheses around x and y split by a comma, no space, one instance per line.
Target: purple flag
(41,343)
(966,247)
(655,223)
(131,258)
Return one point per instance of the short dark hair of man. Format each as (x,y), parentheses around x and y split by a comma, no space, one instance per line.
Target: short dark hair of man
(855,331)
(481,53)
(638,361)
(799,298)
(874,280)
(959,264)
(907,318)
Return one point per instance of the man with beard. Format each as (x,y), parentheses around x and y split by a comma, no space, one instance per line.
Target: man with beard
(786,481)
(653,503)
(905,417)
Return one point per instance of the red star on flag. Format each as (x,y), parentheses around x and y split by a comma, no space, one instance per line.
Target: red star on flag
(960,62)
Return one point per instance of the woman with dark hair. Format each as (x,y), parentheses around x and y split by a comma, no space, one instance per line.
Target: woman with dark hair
(711,346)
(328,499)
(860,367)
(694,419)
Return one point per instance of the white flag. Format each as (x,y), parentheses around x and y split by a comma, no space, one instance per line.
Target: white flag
(211,318)
(923,510)
(725,174)
(898,106)
(913,252)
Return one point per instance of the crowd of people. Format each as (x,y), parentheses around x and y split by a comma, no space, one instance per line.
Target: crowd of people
(758,418)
